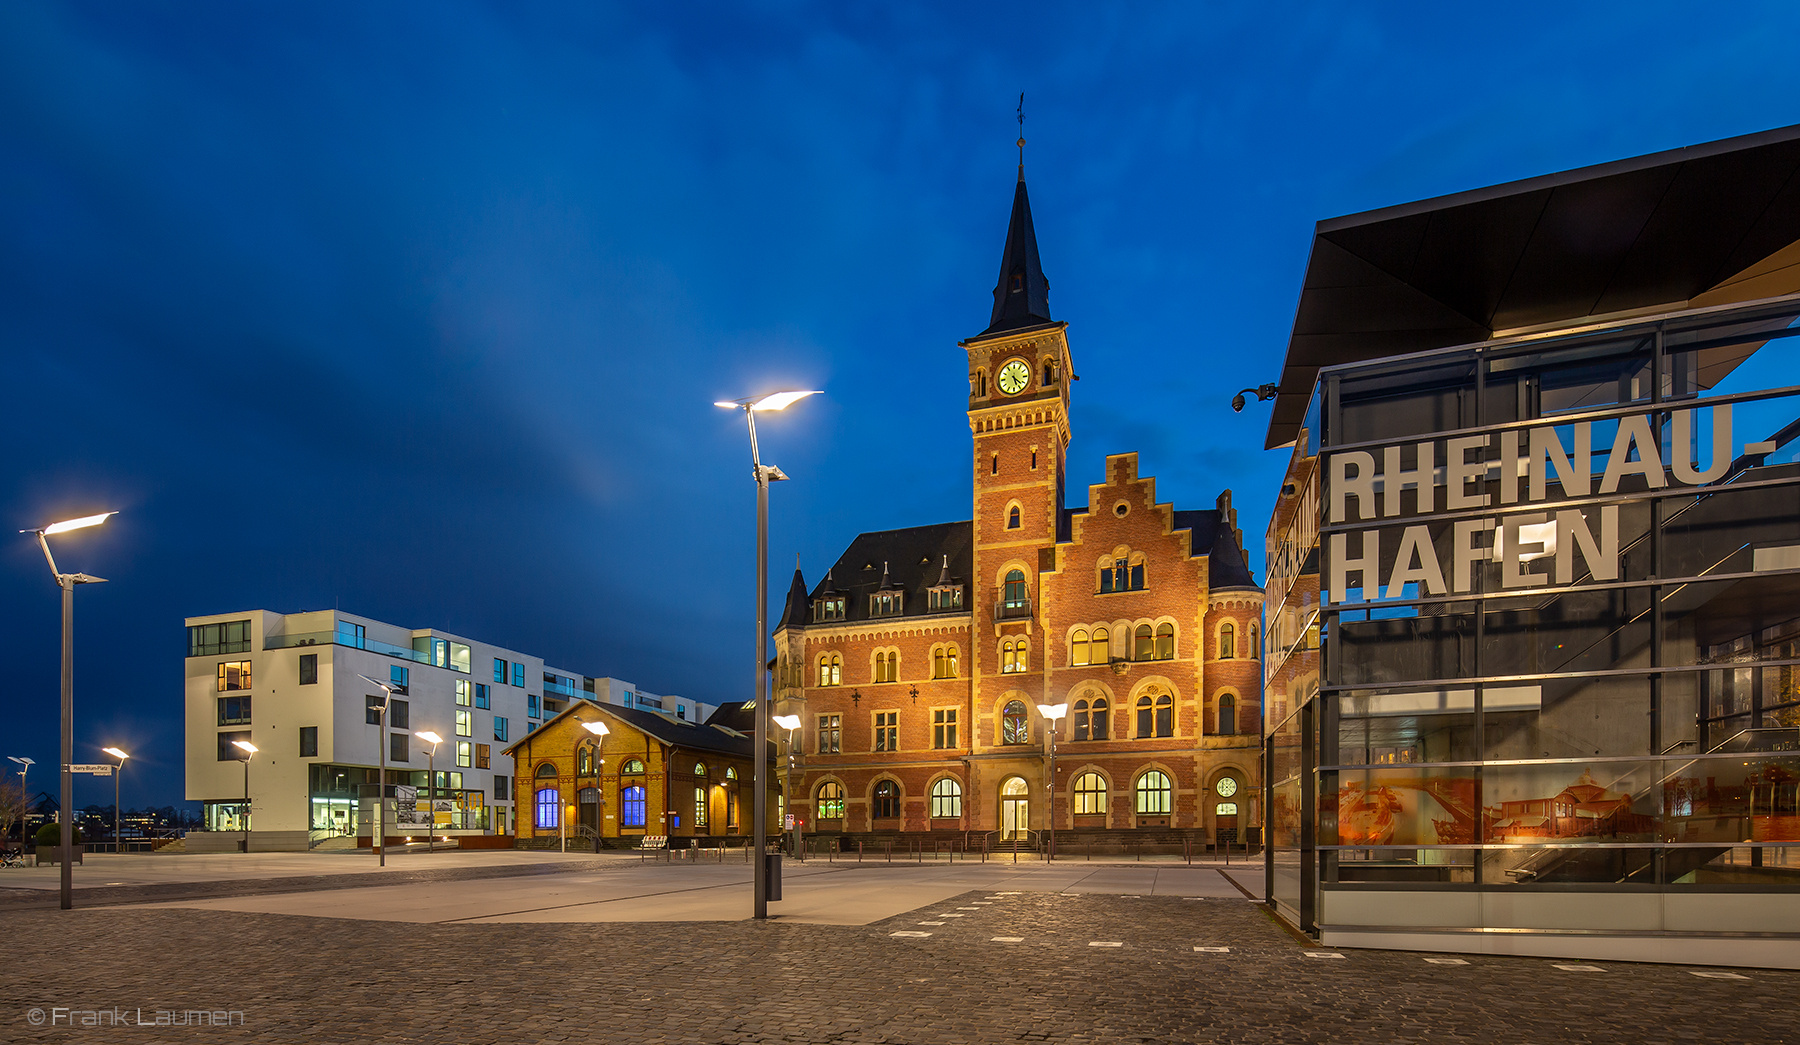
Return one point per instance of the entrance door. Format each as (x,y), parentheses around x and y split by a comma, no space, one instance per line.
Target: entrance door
(1225,823)
(589,809)
(1015,809)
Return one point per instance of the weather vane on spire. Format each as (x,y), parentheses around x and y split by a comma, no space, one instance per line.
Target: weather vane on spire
(1021,131)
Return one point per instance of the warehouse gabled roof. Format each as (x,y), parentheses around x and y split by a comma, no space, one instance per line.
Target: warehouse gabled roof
(1652,232)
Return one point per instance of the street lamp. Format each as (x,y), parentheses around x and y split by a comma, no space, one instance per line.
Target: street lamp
(118,847)
(791,723)
(599,729)
(67,582)
(1053,714)
(434,740)
(25,765)
(387,697)
(764,475)
(244,816)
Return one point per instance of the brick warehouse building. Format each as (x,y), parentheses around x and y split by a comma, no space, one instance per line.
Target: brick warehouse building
(1143,619)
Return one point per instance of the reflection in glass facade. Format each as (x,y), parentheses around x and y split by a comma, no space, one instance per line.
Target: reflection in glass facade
(1534,630)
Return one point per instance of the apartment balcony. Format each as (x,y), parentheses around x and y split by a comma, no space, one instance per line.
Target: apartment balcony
(1012,609)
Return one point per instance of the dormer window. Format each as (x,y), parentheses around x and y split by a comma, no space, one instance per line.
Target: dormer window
(829,608)
(885,603)
(939,599)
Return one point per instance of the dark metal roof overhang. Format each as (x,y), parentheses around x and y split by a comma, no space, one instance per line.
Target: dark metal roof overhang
(1652,232)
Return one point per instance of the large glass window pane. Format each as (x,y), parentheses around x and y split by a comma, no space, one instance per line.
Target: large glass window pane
(1403,728)
(1734,531)
(1569,631)
(1411,805)
(1386,650)
(1602,715)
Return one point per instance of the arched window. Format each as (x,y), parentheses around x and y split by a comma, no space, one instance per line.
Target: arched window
(1227,641)
(1225,809)
(1078,647)
(831,669)
(1165,642)
(1153,793)
(584,761)
(700,804)
(943,662)
(631,806)
(1100,647)
(1012,517)
(1155,715)
(731,775)
(1099,718)
(830,804)
(1090,794)
(1014,593)
(548,769)
(887,667)
(1080,715)
(549,808)
(632,767)
(1254,649)
(1145,646)
(946,799)
(887,800)
(1012,656)
(1013,728)
(1227,714)
(699,768)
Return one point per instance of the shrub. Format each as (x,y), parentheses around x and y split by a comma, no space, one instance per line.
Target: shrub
(50,836)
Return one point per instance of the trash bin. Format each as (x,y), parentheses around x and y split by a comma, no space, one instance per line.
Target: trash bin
(772,871)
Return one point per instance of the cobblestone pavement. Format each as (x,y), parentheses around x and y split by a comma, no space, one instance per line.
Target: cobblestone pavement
(982,967)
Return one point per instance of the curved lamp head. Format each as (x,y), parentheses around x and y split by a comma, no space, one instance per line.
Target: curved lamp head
(1053,711)
(788,721)
(249,748)
(764,403)
(429,737)
(73,524)
(596,727)
(116,753)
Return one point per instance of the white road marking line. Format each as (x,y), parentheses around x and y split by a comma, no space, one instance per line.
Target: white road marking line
(931,923)
(909,932)
(1718,975)
(1446,961)
(1214,950)
(1579,968)
(982,903)
(1007,939)
(968,908)
(1105,943)
(1324,954)
(952,916)
(1015,892)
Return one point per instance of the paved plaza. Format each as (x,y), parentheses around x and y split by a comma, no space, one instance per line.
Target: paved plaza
(542,947)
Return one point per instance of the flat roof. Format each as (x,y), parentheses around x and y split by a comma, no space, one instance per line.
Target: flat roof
(1656,230)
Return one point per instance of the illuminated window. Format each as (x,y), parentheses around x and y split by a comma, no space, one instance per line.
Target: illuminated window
(631,806)
(1100,647)
(887,667)
(632,767)
(946,798)
(887,800)
(700,807)
(699,768)
(1013,727)
(234,674)
(887,730)
(1153,793)
(831,735)
(465,723)
(1227,641)
(1165,642)
(830,802)
(465,754)
(831,669)
(483,756)
(943,662)
(1078,647)
(1013,656)
(829,609)
(1090,793)
(885,604)
(549,808)
(1144,646)
(464,693)
(1254,649)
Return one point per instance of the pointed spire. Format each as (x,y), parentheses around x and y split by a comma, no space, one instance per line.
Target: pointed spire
(794,610)
(944,575)
(1022,297)
(885,583)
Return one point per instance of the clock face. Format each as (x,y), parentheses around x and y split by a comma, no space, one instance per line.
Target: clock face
(1014,376)
(1226,787)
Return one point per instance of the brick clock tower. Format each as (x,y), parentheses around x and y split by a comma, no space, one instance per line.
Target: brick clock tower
(917,664)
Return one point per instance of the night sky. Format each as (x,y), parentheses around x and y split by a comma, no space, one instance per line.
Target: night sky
(420,310)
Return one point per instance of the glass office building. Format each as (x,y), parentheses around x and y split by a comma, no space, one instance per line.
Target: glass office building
(1533,666)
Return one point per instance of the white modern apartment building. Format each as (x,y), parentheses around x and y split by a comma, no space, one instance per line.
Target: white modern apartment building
(627,695)
(289,685)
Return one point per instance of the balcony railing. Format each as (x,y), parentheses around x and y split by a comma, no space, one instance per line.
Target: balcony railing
(1012,609)
(332,638)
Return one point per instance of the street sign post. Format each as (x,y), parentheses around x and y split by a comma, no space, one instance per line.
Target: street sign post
(105,770)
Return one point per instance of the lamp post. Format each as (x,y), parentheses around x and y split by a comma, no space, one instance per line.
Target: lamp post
(67,582)
(1053,714)
(434,740)
(387,697)
(598,728)
(118,847)
(244,816)
(764,475)
(790,723)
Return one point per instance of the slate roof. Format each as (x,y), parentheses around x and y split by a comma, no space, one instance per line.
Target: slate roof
(664,728)
(1022,296)
(913,559)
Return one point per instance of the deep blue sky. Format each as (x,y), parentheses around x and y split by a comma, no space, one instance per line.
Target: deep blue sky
(420,309)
